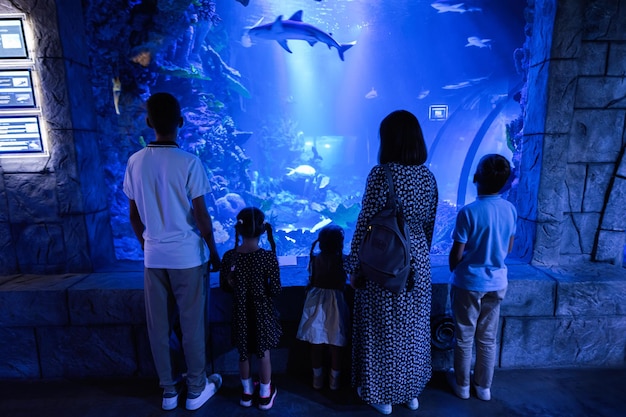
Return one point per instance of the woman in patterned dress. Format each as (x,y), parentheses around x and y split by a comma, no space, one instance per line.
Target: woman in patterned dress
(252,274)
(391,332)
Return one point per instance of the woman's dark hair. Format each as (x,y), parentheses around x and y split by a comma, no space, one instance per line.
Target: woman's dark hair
(401,139)
(492,173)
(251,223)
(163,113)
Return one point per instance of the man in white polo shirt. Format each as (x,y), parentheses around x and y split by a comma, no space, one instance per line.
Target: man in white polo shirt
(166,188)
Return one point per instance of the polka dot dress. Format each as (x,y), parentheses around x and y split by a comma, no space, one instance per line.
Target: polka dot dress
(255,323)
(391,332)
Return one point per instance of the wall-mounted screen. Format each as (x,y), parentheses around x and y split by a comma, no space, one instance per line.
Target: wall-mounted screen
(16,89)
(20,135)
(12,43)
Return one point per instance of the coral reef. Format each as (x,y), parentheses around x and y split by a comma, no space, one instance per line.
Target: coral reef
(147,46)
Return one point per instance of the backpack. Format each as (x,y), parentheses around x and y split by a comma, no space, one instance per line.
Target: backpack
(385,252)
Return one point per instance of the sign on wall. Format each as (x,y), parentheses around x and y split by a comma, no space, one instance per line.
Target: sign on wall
(20,115)
(16,89)
(12,39)
(20,134)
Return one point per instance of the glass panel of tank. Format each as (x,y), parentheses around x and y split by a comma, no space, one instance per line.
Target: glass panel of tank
(321,76)
(282,99)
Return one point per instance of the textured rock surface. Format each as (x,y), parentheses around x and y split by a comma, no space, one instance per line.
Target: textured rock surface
(49,200)
(571,182)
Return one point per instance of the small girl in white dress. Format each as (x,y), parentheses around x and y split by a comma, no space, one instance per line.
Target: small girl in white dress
(325,314)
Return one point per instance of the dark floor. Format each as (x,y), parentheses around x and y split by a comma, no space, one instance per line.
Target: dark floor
(550,393)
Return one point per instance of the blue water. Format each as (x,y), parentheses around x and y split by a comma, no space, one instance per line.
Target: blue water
(310,111)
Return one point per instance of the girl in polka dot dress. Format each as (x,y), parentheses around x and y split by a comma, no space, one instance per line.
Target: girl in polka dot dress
(253,275)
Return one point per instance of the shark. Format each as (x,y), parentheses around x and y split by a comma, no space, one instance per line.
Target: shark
(444,8)
(294,28)
(480,43)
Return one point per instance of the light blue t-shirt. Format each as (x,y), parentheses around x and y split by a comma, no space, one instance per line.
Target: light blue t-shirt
(485,226)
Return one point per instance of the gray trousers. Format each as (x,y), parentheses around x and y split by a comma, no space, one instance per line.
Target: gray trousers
(476,317)
(169,294)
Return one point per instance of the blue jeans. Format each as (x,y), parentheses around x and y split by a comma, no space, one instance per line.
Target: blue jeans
(476,317)
(166,292)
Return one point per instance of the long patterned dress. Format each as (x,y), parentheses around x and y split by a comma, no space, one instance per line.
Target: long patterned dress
(391,332)
(255,324)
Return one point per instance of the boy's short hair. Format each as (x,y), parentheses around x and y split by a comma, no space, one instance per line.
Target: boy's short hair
(492,173)
(163,113)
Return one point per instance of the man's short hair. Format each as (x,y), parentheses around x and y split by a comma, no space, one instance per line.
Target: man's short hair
(492,173)
(163,113)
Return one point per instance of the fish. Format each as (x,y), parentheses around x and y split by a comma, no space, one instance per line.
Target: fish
(246,41)
(324,181)
(480,43)
(372,94)
(462,84)
(444,7)
(142,58)
(302,171)
(246,2)
(422,94)
(117,91)
(293,28)
(343,216)
(321,224)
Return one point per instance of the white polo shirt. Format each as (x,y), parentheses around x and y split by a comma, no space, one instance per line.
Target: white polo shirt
(162,180)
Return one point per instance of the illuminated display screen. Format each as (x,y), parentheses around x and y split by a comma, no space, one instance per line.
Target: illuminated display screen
(16,89)
(12,44)
(20,134)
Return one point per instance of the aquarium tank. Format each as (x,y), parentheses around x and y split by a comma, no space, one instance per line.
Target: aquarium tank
(282,99)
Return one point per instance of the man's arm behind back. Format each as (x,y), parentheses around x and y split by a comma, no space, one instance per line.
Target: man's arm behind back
(205,225)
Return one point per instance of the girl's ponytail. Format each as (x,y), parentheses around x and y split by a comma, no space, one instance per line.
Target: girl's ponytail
(238,232)
(270,236)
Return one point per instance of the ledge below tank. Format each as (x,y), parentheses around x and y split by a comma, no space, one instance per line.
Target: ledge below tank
(93,325)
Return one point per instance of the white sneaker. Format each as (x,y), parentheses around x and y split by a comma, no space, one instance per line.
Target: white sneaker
(170,400)
(196,400)
(483,393)
(463,392)
(382,408)
(413,405)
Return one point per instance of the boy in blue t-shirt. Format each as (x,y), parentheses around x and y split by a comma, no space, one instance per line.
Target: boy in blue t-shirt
(483,236)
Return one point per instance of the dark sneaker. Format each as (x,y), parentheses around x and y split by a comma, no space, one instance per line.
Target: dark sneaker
(265,403)
(246,399)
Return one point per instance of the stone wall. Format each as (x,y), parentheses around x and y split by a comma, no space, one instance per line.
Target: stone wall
(573,173)
(54,216)
(93,325)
